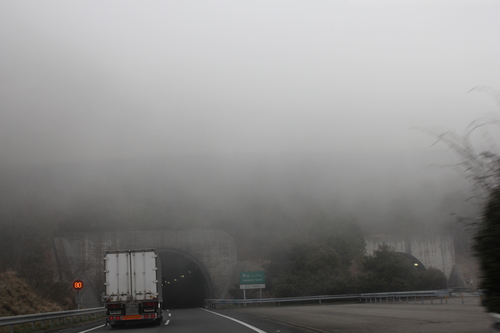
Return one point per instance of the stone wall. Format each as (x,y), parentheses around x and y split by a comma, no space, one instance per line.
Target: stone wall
(435,251)
(82,254)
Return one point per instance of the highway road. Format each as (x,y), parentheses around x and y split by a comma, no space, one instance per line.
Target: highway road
(346,318)
(382,317)
(196,320)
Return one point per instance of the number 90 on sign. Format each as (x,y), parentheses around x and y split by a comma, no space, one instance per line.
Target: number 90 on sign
(78,284)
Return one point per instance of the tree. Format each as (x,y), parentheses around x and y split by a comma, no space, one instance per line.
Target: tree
(483,169)
(387,270)
(318,264)
(303,269)
(487,246)
(431,279)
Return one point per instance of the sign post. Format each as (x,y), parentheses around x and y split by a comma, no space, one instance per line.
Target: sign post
(78,285)
(252,280)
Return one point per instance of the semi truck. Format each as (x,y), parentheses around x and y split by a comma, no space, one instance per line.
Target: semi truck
(133,288)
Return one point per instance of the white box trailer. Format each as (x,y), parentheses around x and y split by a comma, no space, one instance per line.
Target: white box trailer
(133,289)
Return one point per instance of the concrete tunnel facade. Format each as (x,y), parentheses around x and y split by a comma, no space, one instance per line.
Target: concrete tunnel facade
(207,260)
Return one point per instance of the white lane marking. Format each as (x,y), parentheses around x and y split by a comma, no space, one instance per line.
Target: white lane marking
(168,321)
(94,328)
(239,322)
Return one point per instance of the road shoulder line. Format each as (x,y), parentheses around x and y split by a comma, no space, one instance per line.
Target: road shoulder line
(238,321)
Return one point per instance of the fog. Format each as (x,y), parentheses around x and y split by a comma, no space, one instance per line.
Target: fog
(205,109)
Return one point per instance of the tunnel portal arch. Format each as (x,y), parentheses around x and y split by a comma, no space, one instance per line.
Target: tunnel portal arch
(415,262)
(436,251)
(185,281)
(80,254)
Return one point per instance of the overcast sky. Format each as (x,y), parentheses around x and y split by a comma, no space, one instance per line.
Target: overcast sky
(214,106)
(94,80)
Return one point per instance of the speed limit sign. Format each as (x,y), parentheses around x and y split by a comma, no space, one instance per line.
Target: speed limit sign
(78,284)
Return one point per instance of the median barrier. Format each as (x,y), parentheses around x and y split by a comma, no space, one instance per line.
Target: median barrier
(407,296)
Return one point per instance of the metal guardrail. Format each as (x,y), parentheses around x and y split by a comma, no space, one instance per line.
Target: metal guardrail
(367,298)
(408,296)
(50,316)
(211,303)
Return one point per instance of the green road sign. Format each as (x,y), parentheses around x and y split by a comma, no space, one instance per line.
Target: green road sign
(258,277)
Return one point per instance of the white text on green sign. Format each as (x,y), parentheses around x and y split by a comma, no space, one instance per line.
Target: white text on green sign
(258,277)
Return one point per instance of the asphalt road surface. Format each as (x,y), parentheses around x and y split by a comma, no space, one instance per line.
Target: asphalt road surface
(469,317)
(196,320)
(346,318)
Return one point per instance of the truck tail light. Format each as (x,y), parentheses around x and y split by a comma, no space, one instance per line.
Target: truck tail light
(114,306)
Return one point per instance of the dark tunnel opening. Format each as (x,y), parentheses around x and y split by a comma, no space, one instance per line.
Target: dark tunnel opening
(414,261)
(185,282)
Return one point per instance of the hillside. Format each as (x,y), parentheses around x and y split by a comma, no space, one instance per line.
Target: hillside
(18,298)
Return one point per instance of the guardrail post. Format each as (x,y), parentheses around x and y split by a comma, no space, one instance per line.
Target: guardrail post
(11,329)
(462,297)
(432,300)
(422,299)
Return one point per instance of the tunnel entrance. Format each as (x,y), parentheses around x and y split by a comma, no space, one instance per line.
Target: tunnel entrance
(185,281)
(414,261)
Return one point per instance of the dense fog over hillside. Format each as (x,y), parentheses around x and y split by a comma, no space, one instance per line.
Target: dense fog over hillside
(255,113)
(381,192)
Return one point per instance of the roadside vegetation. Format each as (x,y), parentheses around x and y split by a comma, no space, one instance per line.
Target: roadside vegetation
(329,268)
(487,246)
(480,163)
(19,297)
